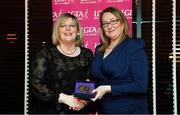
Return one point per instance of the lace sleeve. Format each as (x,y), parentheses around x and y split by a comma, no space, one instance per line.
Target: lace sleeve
(38,79)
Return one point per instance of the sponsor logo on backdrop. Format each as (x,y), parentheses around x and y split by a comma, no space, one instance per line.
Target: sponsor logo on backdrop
(55,15)
(81,15)
(89,1)
(112,1)
(64,2)
(88,12)
(127,13)
(96,14)
(87,45)
(90,31)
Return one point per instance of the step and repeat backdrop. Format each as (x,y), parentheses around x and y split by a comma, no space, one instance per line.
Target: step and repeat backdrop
(88,11)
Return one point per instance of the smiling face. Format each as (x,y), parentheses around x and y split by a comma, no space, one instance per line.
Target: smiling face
(112,26)
(68,31)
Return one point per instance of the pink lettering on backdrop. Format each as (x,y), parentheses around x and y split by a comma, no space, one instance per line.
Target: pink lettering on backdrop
(87,11)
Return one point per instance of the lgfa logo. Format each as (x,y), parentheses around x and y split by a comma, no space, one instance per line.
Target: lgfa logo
(89,1)
(80,14)
(97,13)
(90,31)
(127,12)
(111,1)
(64,1)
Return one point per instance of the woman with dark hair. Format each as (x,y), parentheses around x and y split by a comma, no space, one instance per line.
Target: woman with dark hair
(120,67)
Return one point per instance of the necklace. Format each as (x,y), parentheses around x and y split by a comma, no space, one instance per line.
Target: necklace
(65,52)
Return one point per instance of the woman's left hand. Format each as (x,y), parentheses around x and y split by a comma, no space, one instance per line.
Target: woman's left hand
(101,91)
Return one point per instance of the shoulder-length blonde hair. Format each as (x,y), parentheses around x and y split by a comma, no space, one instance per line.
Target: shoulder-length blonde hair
(122,19)
(60,20)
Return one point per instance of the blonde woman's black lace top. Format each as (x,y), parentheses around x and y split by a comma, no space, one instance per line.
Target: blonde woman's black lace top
(53,73)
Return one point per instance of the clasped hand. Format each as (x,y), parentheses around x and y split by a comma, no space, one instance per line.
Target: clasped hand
(76,103)
(73,102)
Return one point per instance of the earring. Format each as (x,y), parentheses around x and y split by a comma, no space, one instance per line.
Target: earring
(78,36)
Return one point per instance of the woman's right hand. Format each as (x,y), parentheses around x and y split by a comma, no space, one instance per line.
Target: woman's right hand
(101,91)
(71,101)
(84,102)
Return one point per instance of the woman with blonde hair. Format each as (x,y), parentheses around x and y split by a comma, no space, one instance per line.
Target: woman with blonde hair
(56,68)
